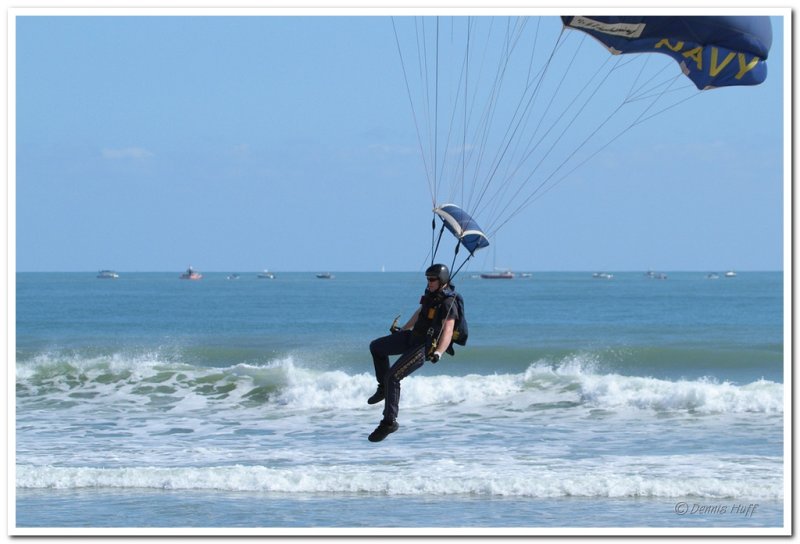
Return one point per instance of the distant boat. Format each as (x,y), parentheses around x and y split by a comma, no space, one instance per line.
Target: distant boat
(191,274)
(107,275)
(526,275)
(655,275)
(266,275)
(498,275)
(603,275)
(325,276)
(730,274)
(233,277)
(712,276)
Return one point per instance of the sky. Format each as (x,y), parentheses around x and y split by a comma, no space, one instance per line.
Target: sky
(233,144)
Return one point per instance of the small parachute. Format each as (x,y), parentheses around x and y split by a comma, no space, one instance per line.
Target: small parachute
(463,227)
(712,51)
(466,230)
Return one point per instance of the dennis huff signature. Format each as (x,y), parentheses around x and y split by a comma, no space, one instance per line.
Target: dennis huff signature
(732,509)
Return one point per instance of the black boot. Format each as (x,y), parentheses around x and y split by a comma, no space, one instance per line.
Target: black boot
(383,430)
(378,396)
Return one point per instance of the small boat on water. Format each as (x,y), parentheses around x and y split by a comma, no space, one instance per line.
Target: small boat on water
(325,276)
(655,275)
(603,276)
(730,274)
(107,275)
(526,275)
(712,276)
(498,275)
(191,274)
(233,277)
(266,275)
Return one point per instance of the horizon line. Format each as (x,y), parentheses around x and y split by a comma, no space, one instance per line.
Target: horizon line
(318,271)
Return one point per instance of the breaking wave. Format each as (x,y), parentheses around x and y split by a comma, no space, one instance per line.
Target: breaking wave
(147,381)
(605,477)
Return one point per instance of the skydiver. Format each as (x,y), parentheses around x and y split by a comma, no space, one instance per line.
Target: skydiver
(426,336)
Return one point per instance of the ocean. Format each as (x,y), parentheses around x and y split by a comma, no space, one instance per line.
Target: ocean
(621,405)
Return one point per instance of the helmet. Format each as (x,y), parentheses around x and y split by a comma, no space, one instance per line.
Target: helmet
(438,271)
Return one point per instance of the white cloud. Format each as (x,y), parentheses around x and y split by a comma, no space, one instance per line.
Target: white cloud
(127,153)
(392,149)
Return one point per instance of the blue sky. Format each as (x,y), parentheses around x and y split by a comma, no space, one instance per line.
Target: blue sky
(244,143)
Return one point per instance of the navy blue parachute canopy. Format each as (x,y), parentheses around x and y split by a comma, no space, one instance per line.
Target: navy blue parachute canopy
(463,227)
(712,51)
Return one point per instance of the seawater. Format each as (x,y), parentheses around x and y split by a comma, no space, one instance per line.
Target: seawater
(149,402)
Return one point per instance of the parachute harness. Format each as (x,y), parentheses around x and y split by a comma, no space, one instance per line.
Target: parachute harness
(435,341)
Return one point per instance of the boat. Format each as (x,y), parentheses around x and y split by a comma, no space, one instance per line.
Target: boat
(191,274)
(498,275)
(730,274)
(107,275)
(712,276)
(266,275)
(603,275)
(325,276)
(526,275)
(655,275)
(233,277)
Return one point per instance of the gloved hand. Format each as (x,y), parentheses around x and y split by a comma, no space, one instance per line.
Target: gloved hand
(434,357)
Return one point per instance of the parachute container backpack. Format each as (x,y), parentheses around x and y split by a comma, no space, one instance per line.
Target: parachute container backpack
(461,331)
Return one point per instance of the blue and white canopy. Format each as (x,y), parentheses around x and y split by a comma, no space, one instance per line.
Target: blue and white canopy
(712,51)
(463,227)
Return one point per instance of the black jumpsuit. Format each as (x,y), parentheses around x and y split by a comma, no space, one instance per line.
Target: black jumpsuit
(413,344)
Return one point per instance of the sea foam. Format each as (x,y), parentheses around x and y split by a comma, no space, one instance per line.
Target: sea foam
(606,477)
